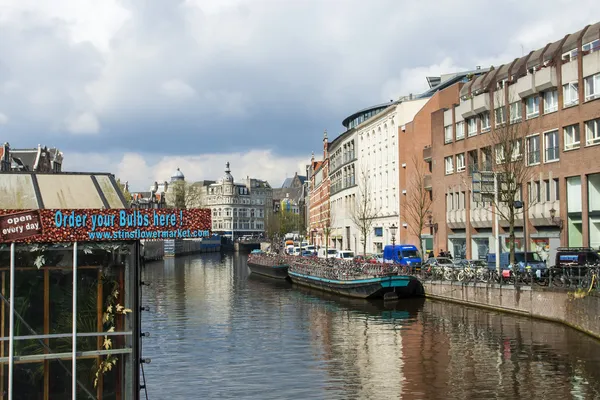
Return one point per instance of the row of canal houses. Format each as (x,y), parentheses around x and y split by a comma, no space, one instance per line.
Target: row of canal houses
(437,140)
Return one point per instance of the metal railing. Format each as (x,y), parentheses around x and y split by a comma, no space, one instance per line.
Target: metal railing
(566,276)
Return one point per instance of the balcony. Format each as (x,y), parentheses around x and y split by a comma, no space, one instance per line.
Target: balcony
(591,63)
(464,110)
(481,217)
(545,79)
(427,154)
(481,103)
(524,86)
(539,213)
(569,72)
(427,182)
(456,219)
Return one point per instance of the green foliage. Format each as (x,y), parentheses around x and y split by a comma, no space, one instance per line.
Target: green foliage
(284,222)
(124,191)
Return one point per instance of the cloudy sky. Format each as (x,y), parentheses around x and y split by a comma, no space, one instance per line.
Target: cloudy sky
(141,87)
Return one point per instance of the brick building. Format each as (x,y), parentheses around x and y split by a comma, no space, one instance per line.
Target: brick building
(553,96)
(413,137)
(318,175)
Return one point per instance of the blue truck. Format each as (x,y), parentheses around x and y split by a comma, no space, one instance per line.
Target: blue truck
(403,254)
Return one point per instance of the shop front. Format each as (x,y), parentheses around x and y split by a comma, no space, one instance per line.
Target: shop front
(457,245)
(480,246)
(70,320)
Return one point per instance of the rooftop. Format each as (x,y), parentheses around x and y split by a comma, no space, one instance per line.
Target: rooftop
(28,190)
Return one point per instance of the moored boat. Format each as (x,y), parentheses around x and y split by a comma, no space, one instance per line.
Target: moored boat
(366,281)
(271,265)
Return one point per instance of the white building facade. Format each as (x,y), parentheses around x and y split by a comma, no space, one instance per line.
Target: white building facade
(343,191)
(238,209)
(377,139)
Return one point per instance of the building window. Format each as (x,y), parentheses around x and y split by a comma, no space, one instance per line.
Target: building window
(500,115)
(592,132)
(472,126)
(534,192)
(550,101)
(591,46)
(574,208)
(515,112)
(592,87)
(571,134)
(551,146)
(448,134)
(547,189)
(460,162)
(533,150)
(378,232)
(449,165)
(485,122)
(556,189)
(570,55)
(499,154)
(533,107)
(460,130)
(570,94)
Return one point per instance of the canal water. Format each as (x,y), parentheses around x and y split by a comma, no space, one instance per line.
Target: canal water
(218,332)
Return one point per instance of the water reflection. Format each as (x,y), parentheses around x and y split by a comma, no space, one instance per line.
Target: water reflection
(219,333)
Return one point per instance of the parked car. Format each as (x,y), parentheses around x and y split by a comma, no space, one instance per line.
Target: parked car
(345,255)
(369,258)
(566,256)
(533,260)
(327,253)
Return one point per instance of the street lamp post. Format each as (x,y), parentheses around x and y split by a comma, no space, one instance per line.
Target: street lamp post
(393,230)
(519,205)
(433,227)
(557,221)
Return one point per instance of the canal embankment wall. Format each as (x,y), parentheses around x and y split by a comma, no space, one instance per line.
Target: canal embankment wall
(160,249)
(577,309)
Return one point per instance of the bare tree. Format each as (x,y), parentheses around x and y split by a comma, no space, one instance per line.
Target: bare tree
(418,202)
(510,164)
(364,211)
(326,227)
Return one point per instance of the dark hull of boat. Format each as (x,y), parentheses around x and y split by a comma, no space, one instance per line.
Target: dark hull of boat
(372,288)
(277,272)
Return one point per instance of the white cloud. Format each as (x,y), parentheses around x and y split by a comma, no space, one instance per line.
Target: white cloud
(142,170)
(3,119)
(413,80)
(177,89)
(225,75)
(88,20)
(85,123)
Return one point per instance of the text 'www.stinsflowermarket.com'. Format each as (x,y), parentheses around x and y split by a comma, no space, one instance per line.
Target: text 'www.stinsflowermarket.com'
(139,234)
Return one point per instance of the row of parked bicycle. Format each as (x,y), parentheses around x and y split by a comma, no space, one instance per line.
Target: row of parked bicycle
(567,275)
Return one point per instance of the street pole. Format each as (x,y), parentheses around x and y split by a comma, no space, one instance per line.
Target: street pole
(496,223)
